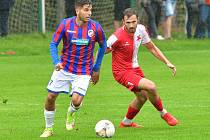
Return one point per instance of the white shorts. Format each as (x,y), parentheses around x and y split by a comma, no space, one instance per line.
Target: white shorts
(61,80)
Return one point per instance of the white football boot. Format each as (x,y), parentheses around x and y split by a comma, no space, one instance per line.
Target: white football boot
(47,133)
(70,121)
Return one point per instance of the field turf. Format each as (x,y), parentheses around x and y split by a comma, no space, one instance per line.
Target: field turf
(25,74)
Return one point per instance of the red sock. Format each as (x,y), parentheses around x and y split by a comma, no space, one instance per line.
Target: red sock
(131,113)
(158,105)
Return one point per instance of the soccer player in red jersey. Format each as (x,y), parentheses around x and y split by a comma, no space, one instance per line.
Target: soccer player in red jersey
(76,64)
(124,45)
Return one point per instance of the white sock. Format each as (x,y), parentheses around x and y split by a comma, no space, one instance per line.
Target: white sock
(163,112)
(72,108)
(127,121)
(49,118)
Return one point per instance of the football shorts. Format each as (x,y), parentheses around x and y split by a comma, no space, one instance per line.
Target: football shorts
(61,80)
(130,78)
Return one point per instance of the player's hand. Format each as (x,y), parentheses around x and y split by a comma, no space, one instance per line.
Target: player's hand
(108,50)
(171,66)
(58,67)
(94,77)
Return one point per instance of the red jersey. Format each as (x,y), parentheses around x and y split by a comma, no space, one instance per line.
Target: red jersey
(125,48)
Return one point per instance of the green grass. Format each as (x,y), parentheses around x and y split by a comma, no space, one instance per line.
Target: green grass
(24,77)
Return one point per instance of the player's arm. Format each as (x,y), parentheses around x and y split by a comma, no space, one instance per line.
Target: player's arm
(100,54)
(108,50)
(111,43)
(58,34)
(158,54)
(146,41)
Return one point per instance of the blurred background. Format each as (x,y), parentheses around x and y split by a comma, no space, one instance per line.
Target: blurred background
(24,15)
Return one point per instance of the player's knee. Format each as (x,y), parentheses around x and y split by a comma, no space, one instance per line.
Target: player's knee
(76,103)
(51,98)
(142,100)
(142,97)
(152,88)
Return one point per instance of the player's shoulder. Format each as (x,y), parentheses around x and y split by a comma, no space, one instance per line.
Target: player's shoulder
(95,26)
(116,36)
(69,19)
(141,27)
(94,23)
(119,32)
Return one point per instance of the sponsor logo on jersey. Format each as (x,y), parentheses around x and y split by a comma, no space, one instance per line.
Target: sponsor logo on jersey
(70,31)
(127,44)
(80,41)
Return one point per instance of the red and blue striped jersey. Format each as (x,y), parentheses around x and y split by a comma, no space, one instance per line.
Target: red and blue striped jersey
(77,54)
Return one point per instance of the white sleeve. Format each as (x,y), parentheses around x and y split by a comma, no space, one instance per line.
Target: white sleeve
(111,40)
(145,36)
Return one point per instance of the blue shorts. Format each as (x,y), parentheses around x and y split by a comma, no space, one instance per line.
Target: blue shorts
(169,8)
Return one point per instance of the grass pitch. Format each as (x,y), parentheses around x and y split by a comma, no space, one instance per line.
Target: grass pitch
(24,76)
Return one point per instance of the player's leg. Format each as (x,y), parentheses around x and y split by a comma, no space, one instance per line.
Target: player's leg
(133,109)
(75,105)
(79,88)
(141,98)
(49,114)
(55,86)
(150,87)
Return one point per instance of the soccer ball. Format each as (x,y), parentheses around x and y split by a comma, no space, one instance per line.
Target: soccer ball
(105,129)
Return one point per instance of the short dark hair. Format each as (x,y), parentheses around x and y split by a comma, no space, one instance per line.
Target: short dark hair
(129,12)
(81,3)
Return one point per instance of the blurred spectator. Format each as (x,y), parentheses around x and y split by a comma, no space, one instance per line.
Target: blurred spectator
(119,7)
(153,10)
(192,16)
(204,13)
(208,22)
(169,9)
(69,8)
(5,6)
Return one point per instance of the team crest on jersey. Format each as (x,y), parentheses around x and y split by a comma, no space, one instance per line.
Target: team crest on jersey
(138,38)
(90,33)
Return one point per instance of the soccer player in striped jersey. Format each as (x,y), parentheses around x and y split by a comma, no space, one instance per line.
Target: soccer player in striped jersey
(124,45)
(76,64)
